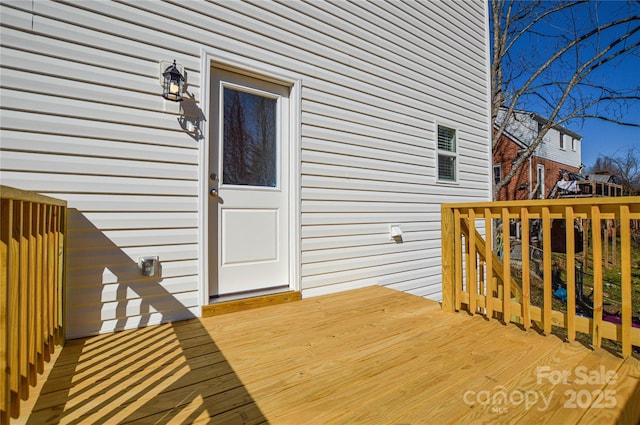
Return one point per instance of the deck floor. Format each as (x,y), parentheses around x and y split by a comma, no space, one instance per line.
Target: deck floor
(368,356)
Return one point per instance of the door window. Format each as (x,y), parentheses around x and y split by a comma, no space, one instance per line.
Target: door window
(250,139)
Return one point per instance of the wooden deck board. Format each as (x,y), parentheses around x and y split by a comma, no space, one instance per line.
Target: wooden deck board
(396,386)
(434,404)
(626,387)
(373,355)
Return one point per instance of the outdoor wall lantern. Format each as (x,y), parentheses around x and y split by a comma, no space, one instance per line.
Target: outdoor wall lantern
(172,82)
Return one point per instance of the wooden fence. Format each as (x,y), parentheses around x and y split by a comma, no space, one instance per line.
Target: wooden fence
(32,232)
(479,275)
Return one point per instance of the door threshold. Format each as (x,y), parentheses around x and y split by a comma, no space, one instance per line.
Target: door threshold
(216,299)
(239,302)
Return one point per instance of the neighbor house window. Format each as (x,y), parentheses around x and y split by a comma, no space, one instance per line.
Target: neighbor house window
(497,173)
(574,142)
(447,156)
(561,141)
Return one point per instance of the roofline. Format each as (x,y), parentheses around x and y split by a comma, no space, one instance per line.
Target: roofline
(539,118)
(565,130)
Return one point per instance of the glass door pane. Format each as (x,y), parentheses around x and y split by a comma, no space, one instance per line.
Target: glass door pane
(250,139)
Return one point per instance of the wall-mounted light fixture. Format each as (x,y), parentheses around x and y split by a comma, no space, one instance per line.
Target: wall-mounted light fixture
(172,82)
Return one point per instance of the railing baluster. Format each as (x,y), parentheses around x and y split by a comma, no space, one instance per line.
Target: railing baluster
(607,226)
(50,282)
(23,323)
(472,286)
(32,355)
(596,237)
(39,290)
(57,277)
(45,283)
(614,249)
(526,267)
(457,258)
(571,272)
(506,262)
(546,248)
(13,309)
(625,241)
(467,270)
(488,255)
(481,282)
(5,260)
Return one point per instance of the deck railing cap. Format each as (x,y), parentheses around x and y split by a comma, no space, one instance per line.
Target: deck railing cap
(7,192)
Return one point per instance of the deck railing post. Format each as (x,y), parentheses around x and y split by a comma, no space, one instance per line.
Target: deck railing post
(448,271)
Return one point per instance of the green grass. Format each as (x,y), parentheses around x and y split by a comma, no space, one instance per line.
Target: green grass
(612,287)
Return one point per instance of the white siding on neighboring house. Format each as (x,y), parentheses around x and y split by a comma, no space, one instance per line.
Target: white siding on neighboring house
(83,120)
(524,127)
(552,149)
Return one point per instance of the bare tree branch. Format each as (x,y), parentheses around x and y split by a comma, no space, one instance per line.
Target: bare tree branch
(565,91)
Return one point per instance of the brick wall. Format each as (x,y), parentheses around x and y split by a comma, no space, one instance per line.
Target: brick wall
(505,152)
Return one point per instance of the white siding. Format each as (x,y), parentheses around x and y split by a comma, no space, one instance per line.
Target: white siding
(550,148)
(83,120)
(564,155)
(525,129)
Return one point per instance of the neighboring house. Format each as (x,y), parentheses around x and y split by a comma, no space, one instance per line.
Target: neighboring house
(559,151)
(307,132)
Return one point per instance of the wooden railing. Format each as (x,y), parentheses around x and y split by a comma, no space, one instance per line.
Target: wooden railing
(32,233)
(595,188)
(478,280)
(589,188)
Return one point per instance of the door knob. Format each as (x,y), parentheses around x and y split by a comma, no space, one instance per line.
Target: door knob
(213,192)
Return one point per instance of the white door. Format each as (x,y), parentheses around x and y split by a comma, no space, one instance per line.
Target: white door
(248,184)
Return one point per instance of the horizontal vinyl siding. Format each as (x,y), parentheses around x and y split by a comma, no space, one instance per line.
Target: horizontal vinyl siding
(82,120)
(550,149)
(368,157)
(376,78)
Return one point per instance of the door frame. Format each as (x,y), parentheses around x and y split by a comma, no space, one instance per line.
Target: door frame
(540,177)
(256,69)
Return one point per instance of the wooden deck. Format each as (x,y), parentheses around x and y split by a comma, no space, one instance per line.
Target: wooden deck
(369,356)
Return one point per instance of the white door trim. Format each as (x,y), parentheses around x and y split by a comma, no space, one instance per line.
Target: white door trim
(540,178)
(258,69)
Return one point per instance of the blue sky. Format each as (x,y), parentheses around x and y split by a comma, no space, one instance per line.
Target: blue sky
(599,137)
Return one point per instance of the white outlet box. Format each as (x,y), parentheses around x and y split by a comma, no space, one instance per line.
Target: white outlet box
(148,266)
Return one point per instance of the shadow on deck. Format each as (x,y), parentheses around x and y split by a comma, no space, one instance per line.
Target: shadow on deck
(373,355)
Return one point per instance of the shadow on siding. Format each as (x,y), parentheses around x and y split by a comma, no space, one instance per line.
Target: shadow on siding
(172,372)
